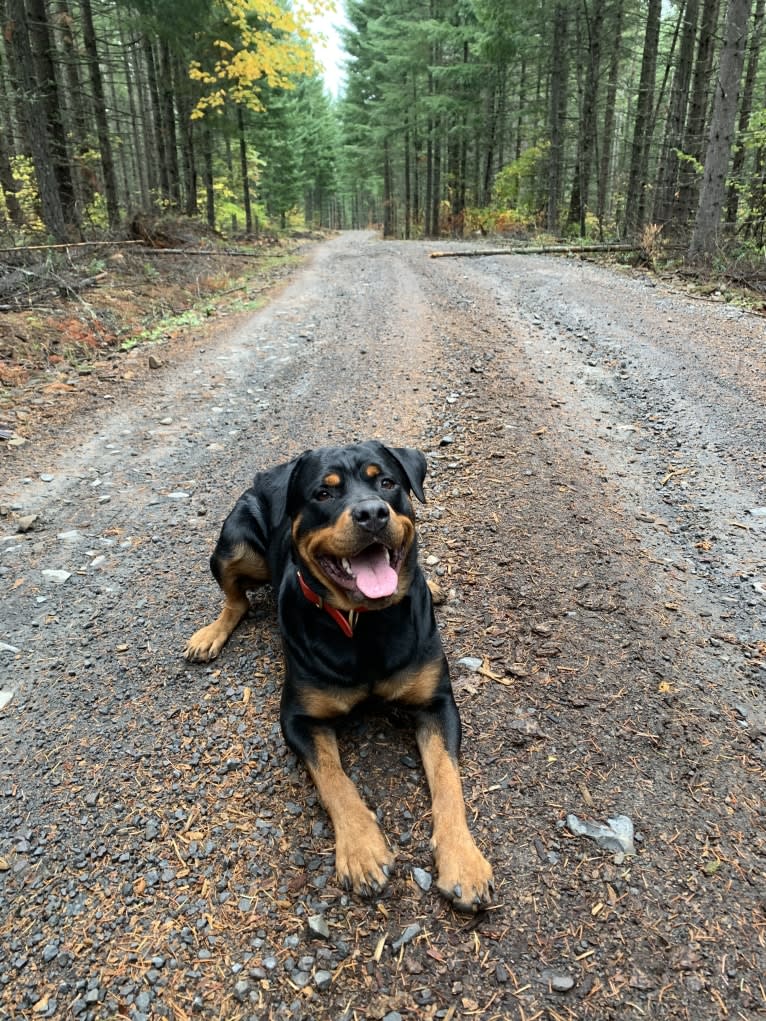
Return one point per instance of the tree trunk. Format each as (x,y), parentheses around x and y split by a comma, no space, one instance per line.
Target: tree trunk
(77,114)
(745,110)
(588,139)
(557,113)
(636,195)
(34,119)
(607,140)
(182,88)
(694,135)
(388,194)
(676,117)
(407,181)
(99,110)
(207,141)
(169,124)
(436,187)
(141,147)
(9,184)
(722,130)
(161,173)
(43,56)
(244,171)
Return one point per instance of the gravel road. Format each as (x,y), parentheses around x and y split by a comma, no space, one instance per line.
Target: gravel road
(597,512)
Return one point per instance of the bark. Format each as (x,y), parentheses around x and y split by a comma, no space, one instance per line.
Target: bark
(44,62)
(745,110)
(100,112)
(207,141)
(244,170)
(186,136)
(694,135)
(33,114)
(9,184)
(722,131)
(141,146)
(77,115)
(594,24)
(676,117)
(637,181)
(388,198)
(557,113)
(169,123)
(158,168)
(607,141)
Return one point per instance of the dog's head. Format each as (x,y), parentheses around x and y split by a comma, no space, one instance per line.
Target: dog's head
(352,520)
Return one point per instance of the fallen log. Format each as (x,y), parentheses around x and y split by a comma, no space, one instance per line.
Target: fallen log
(539,250)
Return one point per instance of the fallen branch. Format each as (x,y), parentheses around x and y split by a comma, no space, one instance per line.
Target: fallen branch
(201,251)
(67,244)
(540,250)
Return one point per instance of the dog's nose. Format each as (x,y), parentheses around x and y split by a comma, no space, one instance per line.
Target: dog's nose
(372,515)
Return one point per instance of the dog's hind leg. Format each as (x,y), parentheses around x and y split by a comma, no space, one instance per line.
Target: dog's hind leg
(236,573)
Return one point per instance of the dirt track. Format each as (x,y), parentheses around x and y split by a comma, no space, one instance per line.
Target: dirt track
(597,508)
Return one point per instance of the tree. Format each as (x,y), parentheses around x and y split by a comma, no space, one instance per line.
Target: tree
(637,183)
(722,130)
(100,111)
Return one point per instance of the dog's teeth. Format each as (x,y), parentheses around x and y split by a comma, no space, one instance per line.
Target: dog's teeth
(346,565)
(388,555)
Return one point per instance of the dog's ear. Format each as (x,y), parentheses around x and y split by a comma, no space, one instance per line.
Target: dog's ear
(413,464)
(294,496)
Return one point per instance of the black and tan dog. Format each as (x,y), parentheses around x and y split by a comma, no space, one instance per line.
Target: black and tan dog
(333,531)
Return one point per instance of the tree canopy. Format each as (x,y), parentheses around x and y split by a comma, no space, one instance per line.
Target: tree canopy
(578,118)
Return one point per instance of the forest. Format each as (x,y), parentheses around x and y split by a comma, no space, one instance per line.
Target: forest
(589,119)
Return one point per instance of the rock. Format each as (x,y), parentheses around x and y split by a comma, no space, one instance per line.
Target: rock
(616,836)
(470,663)
(407,936)
(155,362)
(558,981)
(323,979)
(242,989)
(26,523)
(5,647)
(45,477)
(318,926)
(423,879)
(56,577)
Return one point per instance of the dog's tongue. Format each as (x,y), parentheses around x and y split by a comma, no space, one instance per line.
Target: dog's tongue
(375,578)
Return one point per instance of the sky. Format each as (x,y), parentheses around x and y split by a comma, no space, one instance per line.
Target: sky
(330,53)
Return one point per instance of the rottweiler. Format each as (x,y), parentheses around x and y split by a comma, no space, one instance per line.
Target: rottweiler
(333,530)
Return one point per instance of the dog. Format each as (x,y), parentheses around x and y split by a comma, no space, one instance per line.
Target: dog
(333,530)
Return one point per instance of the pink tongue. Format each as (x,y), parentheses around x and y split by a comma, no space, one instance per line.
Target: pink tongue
(375,578)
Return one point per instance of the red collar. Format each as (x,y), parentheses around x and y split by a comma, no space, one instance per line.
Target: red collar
(346,624)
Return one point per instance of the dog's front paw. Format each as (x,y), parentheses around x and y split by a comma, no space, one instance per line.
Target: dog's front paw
(464,874)
(206,643)
(363,860)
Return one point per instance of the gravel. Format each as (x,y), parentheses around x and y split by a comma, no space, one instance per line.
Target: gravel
(594,518)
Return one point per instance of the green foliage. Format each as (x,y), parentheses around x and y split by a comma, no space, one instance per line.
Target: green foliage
(690,161)
(520,184)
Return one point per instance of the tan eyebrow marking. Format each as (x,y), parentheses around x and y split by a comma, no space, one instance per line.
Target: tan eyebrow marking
(333,479)
(372,470)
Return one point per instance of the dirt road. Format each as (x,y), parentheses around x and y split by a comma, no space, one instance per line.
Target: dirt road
(597,510)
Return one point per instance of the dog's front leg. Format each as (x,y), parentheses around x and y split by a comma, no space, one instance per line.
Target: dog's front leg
(363,860)
(464,874)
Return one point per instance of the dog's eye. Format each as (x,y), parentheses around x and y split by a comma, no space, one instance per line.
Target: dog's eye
(322,494)
(386,483)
